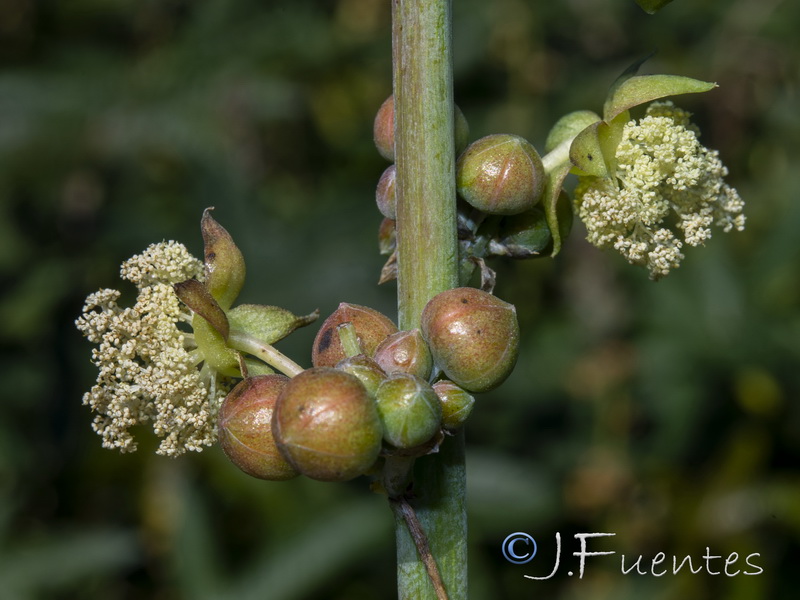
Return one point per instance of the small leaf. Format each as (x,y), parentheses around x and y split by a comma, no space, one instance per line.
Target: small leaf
(214,349)
(267,324)
(646,88)
(586,153)
(224,263)
(610,135)
(568,126)
(652,6)
(552,192)
(195,295)
(256,367)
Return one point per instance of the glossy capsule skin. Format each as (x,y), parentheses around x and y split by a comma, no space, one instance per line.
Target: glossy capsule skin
(473,337)
(326,425)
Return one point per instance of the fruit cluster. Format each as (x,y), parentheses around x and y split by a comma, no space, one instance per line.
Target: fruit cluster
(500,180)
(373,391)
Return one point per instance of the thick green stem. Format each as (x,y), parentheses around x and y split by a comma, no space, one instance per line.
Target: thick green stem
(428,265)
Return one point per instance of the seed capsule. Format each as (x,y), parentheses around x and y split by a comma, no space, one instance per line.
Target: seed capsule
(326,425)
(456,404)
(371,327)
(405,352)
(409,409)
(500,174)
(473,337)
(385,196)
(245,428)
(366,370)
(383,129)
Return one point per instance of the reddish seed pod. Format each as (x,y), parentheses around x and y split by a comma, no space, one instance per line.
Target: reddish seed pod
(327,426)
(383,130)
(245,428)
(371,328)
(501,174)
(385,196)
(473,337)
(405,352)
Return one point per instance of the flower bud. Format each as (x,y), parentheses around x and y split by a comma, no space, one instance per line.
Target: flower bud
(409,409)
(366,370)
(500,174)
(383,129)
(473,337)
(371,327)
(385,196)
(405,352)
(456,404)
(326,425)
(245,428)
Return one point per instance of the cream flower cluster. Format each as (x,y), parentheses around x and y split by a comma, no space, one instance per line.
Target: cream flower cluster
(668,190)
(148,370)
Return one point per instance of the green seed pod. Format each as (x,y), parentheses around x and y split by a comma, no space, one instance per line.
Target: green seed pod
(366,370)
(385,196)
(371,327)
(409,409)
(224,263)
(383,130)
(405,352)
(456,404)
(245,428)
(501,174)
(473,336)
(326,425)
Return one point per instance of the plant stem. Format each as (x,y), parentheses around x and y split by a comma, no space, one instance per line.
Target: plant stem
(245,343)
(427,265)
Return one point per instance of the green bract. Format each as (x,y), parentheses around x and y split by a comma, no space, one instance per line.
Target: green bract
(593,151)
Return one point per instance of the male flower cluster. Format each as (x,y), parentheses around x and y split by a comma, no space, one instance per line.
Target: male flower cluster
(148,367)
(667,190)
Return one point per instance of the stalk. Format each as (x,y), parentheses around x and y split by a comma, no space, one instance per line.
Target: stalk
(427,265)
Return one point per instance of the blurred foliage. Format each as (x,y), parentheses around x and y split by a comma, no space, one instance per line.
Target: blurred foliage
(667,413)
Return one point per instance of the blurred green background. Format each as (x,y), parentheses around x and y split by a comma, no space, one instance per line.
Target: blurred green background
(666,413)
